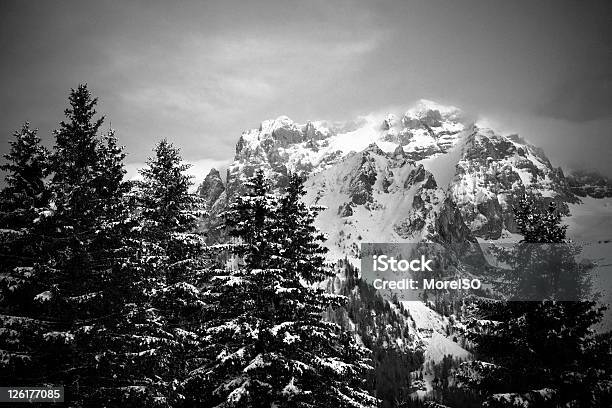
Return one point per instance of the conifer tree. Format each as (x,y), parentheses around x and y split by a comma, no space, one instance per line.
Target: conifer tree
(267,341)
(538,225)
(77,172)
(170,217)
(26,167)
(542,353)
(22,201)
(300,241)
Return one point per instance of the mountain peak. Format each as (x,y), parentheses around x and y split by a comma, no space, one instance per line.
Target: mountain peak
(212,187)
(268,126)
(423,106)
(374,148)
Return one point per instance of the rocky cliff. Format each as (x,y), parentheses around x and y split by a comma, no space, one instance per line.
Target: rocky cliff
(427,174)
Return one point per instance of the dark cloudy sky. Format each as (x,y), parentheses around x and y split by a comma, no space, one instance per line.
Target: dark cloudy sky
(200,72)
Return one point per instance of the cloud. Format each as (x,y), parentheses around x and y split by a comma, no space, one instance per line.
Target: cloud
(168,99)
(248,87)
(206,89)
(580,100)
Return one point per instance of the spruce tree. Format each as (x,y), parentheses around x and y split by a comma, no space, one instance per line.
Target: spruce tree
(543,353)
(539,225)
(25,191)
(300,241)
(77,172)
(22,202)
(170,217)
(267,341)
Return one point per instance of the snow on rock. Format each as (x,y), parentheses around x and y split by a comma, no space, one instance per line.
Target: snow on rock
(425,319)
(440,346)
(365,196)
(431,327)
(494,172)
(424,107)
(291,389)
(43,296)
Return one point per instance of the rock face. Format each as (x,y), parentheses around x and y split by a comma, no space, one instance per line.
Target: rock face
(426,174)
(424,130)
(362,180)
(211,188)
(494,172)
(345,210)
(450,227)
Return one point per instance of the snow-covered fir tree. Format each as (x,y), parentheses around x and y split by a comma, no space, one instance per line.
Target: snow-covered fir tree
(21,202)
(267,341)
(95,279)
(26,167)
(538,354)
(299,240)
(170,217)
(539,224)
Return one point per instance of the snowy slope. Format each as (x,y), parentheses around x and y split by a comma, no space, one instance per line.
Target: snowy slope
(590,224)
(377,190)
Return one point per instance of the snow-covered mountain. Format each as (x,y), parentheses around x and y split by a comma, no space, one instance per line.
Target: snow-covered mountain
(427,174)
